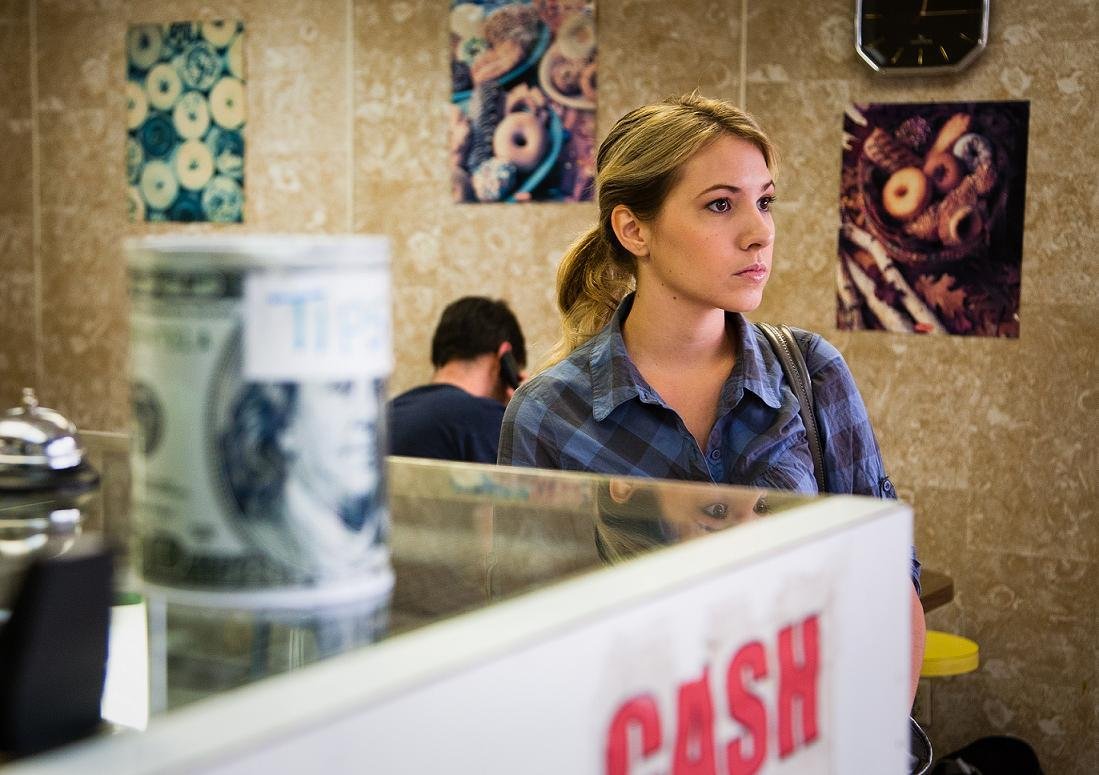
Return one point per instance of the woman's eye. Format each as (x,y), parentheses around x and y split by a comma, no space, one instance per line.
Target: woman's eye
(722,205)
(765,203)
(716,510)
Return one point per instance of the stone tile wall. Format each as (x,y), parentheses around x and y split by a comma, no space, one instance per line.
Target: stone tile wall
(991,440)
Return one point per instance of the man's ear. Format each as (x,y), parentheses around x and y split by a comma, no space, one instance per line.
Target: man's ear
(504,347)
(632,232)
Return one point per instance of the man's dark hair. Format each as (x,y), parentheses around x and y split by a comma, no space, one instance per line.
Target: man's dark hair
(472,326)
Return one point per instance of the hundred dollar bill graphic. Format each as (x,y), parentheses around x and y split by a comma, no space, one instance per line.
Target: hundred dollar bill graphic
(243,484)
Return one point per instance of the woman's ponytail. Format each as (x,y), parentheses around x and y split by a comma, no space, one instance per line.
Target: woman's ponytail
(590,284)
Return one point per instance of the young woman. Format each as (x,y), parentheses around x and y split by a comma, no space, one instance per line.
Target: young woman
(658,373)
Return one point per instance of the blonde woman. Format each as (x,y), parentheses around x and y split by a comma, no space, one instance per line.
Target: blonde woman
(658,372)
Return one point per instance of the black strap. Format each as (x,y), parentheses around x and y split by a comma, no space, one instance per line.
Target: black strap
(797,374)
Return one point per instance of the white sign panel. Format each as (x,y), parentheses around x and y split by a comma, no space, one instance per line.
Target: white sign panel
(303,325)
(794,664)
(779,647)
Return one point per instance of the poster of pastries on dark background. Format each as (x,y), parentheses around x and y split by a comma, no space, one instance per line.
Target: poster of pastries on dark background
(523,97)
(931,218)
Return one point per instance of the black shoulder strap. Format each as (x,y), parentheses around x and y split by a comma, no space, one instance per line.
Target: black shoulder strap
(797,374)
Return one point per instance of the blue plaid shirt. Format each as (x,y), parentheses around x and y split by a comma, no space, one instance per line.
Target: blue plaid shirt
(594,412)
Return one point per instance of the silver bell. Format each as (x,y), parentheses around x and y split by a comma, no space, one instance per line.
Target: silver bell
(39,447)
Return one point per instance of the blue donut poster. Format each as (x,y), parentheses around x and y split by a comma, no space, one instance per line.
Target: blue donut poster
(185,116)
(931,218)
(523,97)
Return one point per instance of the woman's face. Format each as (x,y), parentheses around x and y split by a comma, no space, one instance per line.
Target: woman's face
(710,245)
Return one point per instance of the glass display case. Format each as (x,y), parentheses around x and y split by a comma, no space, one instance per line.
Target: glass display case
(540,622)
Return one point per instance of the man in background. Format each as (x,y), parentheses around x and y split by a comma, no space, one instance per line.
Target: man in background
(478,353)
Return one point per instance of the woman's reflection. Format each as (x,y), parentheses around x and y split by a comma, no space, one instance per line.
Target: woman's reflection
(635,516)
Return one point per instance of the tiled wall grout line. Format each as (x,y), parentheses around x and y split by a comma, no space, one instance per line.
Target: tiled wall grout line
(350,50)
(743,80)
(36,198)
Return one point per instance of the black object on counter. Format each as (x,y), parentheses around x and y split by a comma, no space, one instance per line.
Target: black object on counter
(53,650)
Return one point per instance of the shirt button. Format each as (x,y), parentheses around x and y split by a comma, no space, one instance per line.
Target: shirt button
(715,454)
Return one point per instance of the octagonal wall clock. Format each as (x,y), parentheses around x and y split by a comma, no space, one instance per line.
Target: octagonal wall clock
(920,37)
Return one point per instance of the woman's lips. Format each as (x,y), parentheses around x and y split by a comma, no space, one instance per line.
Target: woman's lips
(756,273)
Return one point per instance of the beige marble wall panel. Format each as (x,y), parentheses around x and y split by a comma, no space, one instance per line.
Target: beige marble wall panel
(991,440)
(164,11)
(79,61)
(303,191)
(14,10)
(651,49)
(80,154)
(1035,640)
(975,705)
(19,351)
(919,392)
(297,53)
(84,320)
(17,309)
(1061,242)
(80,7)
(1038,441)
(15,115)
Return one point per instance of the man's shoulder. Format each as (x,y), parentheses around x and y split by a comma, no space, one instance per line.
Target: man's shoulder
(441,398)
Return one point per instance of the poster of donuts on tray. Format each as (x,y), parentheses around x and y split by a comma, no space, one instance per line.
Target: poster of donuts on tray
(523,98)
(931,217)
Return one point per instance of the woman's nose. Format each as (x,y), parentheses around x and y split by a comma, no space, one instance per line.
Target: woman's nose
(757,231)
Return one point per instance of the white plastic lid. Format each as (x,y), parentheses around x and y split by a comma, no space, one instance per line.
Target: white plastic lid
(257,251)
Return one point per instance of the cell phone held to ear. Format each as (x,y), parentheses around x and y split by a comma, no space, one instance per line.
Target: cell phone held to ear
(509,370)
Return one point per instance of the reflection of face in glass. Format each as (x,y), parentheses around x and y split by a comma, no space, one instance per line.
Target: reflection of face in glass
(635,516)
(688,512)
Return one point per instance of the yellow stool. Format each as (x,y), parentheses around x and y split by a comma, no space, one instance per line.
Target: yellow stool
(946,654)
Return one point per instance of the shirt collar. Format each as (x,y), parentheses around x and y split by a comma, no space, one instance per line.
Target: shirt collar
(757,367)
(615,379)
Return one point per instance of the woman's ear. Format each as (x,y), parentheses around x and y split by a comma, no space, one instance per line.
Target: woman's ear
(632,232)
(619,490)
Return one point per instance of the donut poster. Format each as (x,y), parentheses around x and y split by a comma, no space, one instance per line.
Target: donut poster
(523,98)
(931,218)
(185,116)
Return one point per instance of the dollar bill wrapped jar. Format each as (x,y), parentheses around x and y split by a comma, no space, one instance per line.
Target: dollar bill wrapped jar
(259,367)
